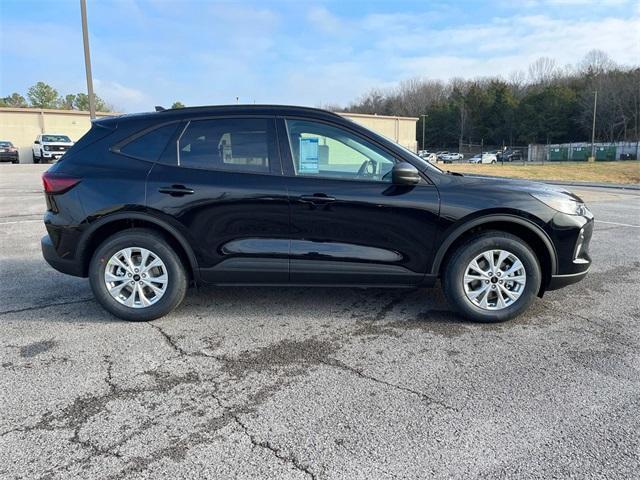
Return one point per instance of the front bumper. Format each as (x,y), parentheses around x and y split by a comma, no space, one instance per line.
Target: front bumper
(560,281)
(9,157)
(571,238)
(68,266)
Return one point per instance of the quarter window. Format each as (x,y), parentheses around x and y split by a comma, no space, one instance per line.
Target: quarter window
(239,144)
(321,150)
(150,145)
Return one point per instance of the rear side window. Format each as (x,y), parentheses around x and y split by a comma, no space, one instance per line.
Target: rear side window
(150,145)
(236,144)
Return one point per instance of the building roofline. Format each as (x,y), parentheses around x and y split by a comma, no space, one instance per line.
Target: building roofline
(54,110)
(374,115)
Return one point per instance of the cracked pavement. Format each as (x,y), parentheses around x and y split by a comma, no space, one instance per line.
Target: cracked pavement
(317,383)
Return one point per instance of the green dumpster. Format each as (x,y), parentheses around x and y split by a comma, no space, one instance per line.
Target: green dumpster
(558,154)
(580,154)
(606,153)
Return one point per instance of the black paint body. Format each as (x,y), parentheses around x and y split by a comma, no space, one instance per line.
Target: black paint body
(278,228)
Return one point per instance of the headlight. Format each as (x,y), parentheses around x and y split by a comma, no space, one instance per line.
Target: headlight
(562,203)
(46,147)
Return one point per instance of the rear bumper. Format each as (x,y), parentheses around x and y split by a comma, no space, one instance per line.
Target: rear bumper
(559,281)
(68,266)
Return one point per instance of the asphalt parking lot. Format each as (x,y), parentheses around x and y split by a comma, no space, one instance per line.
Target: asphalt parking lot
(317,383)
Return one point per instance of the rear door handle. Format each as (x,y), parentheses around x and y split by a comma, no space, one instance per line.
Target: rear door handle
(176,190)
(317,198)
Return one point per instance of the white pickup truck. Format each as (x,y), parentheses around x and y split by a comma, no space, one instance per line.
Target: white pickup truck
(50,146)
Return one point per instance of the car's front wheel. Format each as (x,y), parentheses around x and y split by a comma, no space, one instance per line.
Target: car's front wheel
(137,276)
(492,277)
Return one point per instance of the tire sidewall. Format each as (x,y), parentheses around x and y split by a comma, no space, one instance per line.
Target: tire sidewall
(177,281)
(454,278)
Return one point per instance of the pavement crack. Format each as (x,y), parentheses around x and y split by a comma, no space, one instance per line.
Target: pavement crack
(428,399)
(38,307)
(291,459)
(170,341)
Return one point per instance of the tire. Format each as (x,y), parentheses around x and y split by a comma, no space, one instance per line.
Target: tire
(35,159)
(15,161)
(493,161)
(456,289)
(172,268)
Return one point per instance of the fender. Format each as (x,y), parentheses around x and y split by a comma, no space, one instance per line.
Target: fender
(465,227)
(129,215)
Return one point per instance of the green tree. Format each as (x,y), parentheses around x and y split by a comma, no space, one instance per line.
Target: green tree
(13,100)
(67,102)
(81,102)
(42,95)
(178,105)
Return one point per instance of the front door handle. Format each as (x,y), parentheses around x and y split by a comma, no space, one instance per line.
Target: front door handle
(176,190)
(317,198)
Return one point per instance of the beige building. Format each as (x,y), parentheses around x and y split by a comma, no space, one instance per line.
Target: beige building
(21,126)
(401,130)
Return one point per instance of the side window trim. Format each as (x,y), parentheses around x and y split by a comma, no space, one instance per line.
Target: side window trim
(186,125)
(291,169)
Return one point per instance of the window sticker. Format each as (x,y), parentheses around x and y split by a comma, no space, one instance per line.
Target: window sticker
(308,162)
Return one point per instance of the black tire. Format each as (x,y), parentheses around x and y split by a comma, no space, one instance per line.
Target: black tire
(35,159)
(453,281)
(150,240)
(15,161)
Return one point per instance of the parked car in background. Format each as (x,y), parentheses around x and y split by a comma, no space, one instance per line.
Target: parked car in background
(145,205)
(8,153)
(428,156)
(50,146)
(510,155)
(484,158)
(451,157)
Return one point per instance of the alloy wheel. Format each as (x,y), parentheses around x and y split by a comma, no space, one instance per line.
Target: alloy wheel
(494,280)
(136,277)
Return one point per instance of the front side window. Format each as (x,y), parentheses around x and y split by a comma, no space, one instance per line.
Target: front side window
(321,150)
(236,144)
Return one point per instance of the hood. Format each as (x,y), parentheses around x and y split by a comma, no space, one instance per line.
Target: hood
(515,185)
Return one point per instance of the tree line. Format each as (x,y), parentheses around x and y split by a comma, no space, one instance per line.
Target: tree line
(547,104)
(43,95)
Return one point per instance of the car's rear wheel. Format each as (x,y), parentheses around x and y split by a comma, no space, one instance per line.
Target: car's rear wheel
(492,277)
(137,276)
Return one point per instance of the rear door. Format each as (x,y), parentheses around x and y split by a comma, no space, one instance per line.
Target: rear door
(349,223)
(220,181)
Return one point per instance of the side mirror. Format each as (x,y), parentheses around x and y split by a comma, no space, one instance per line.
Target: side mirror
(37,142)
(405,174)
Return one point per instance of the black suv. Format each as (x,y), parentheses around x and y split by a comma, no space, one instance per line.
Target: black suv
(146,204)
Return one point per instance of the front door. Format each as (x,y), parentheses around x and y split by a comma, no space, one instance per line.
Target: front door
(349,223)
(221,180)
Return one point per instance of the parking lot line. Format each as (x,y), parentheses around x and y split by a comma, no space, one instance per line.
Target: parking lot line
(619,224)
(20,221)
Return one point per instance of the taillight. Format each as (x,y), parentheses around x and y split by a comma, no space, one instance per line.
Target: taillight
(55,183)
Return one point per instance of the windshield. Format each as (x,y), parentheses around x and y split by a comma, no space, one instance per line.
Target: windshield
(6,144)
(55,138)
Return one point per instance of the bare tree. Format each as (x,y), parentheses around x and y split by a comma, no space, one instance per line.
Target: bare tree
(596,62)
(543,71)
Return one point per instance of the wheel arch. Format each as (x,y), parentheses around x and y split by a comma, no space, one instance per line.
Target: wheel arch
(528,231)
(117,222)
